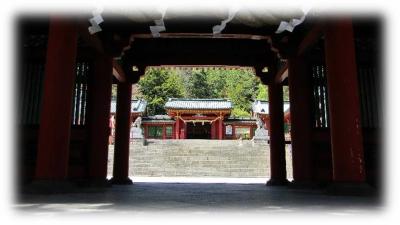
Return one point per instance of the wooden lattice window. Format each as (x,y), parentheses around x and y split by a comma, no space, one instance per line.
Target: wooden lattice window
(79,100)
(31,93)
(320,97)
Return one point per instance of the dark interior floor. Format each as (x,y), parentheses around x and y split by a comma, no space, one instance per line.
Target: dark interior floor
(196,197)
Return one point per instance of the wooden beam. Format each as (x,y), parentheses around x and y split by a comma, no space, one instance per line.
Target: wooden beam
(198,118)
(310,38)
(205,35)
(91,40)
(39,53)
(118,72)
(282,74)
(195,111)
(188,51)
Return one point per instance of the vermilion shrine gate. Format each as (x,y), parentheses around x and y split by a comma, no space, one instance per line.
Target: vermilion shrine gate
(199,119)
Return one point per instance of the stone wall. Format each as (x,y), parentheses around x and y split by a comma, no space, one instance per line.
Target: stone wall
(197,158)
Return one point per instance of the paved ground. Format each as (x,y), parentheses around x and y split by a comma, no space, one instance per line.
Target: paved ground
(144,198)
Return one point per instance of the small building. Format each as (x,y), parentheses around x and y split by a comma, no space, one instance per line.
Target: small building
(198,119)
(239,127)
(158,127)
(260,109)
(138,108)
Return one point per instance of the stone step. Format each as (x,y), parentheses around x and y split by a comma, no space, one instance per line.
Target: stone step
(197,158)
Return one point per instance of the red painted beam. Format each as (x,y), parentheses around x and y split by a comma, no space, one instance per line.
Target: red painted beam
(199,118)
(282,74)
(277,138)
(91,40)
(310,39)
(300,111)
(123,125)
(205,35)
(55,121)
(99,112)
(344,103)
(118,72)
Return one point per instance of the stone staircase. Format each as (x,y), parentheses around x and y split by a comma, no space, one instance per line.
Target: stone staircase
(197,158)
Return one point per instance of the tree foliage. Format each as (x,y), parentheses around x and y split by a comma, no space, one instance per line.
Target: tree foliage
(285,93)
(157,86)
(241,86)
(242,89)
(198,87)
(262,92)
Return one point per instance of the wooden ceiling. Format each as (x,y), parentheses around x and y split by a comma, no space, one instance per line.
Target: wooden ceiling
(248,39)
(188,37)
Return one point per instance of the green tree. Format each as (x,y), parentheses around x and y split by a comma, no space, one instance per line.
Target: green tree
(262,92)
(285,93)
(242,89)
(114,91)
(239,85)
(198,87)
(216,80)
(157,85)
(238,112)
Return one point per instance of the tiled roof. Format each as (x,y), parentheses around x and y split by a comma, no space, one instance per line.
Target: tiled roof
(239,120)
(137,106)
(158,119)
(233,118)
(262,107)
(179,103)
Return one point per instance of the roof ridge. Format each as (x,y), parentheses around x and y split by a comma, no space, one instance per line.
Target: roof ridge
(113,99)
(198,99)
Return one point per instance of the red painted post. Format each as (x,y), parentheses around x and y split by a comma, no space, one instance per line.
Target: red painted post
(145,131)
(277,138)
(220,127)
(163,132)
(344,105)
(177,125)
(121,151)
(213,130)
(55,119)
(268,124)
(300,114)
(99,112)
(182,134)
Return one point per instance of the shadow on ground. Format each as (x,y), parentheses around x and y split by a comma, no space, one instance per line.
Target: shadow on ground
(196,197)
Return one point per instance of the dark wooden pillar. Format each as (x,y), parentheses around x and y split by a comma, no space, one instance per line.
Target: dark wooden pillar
(300,114)
(277,138)
(121,151)
(55,119)
(99,114)
(344,106)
